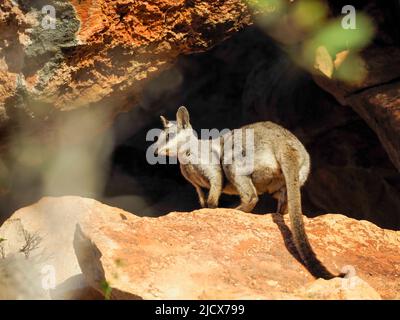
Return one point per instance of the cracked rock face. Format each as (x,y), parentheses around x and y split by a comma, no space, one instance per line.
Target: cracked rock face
(206,254)
(100,53)
(377,98)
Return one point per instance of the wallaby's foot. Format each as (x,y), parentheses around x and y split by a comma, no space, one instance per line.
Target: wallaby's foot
(282,208)
(280,196)
(246,207)
(202,203)
(212,201)
(212,205)
(215,191)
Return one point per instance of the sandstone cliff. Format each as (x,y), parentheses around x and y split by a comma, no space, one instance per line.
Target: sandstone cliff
(100,53)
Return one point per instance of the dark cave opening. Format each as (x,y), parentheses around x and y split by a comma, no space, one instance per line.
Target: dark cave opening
(246,79)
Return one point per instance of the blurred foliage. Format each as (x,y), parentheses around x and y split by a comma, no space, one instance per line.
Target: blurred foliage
(106,288)
(317,41)
(4,179)
(310,14)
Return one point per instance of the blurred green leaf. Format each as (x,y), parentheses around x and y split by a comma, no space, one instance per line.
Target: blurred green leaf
(310,14)
(335,38)
(106,288)
(338,43)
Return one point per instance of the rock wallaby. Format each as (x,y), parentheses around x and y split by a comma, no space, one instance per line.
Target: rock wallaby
(280,166)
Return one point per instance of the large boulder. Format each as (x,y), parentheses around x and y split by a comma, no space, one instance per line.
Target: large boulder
(99,53)
(204,254)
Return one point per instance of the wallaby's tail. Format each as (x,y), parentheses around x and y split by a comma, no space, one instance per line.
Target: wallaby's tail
(291,174)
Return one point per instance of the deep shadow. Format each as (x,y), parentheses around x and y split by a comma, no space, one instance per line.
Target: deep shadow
(287,236)
(246,79)
(88,255)
(290,246)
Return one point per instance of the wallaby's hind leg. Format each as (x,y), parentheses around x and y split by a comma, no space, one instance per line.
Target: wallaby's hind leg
(281,197)
(247,192)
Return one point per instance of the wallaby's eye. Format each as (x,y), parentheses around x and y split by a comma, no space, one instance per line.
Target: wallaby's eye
(170,135)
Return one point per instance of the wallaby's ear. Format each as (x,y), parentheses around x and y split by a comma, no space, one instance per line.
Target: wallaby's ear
(182,118)
(164,121)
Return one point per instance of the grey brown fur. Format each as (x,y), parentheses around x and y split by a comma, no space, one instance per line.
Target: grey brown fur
(281,167)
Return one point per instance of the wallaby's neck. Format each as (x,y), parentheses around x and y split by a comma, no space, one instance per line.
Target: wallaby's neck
(201,149)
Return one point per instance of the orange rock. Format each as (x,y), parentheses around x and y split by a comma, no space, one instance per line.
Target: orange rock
(209,254)
(106,48)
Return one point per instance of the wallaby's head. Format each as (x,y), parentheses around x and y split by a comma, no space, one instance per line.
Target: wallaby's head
(175,134)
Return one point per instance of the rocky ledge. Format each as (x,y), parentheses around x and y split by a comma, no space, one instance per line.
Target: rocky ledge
(83,249)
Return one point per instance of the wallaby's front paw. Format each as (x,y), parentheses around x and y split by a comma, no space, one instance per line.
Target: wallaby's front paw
(244,208)
(202,202)
(212,204)
(240,208)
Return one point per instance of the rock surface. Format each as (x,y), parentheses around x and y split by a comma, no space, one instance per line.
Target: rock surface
(66,85)
(205,254)
(100,53)
(377,98)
